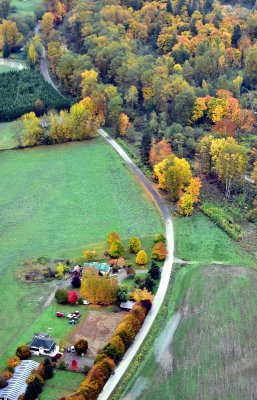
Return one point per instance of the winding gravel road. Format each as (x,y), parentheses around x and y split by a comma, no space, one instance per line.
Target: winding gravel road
(167,267)
(165,276)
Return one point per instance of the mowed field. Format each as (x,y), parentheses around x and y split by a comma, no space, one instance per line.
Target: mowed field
(8,135)
(63,383)
(214,351)
(25,6)
(56,201)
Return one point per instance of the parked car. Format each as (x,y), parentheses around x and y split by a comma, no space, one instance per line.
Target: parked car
(72,349)
(68,349)
(86,302)
(60,314)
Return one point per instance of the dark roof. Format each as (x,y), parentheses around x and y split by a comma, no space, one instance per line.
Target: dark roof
(42,341)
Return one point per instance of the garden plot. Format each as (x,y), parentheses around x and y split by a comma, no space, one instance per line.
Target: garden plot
(97,328)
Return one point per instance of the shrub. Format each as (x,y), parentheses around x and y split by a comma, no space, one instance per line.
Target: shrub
(13,362)
(141,258)
(90,255)
(61,296)
(23,352)
(134,245)
(160,237)
(4,376)
(224,221)
(61,365)
(81,346)
(47,369)
(60,269)
(76,282)
(142,294)
(122,294)
(159,251)
(154,271)
(72,297)
(115,348)
(112,236)
(116,249)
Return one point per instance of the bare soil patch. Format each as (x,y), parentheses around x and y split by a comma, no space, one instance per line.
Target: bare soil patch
(97,328)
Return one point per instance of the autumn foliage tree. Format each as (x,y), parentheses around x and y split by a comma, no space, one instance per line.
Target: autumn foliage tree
(159,251)
(98,289)
(134,245)
(72,297)
(141,258)
(159,152)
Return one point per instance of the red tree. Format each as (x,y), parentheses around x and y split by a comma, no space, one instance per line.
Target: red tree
(72,297)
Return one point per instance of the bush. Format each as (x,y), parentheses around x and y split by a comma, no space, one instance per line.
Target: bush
(112,236)
(23,352)
(115,349)
(81,346)
(141,258)
(72,297)
(4,376)
(76,282)
(122,294)
(90,255)
(160,237)
(116,249)
(134,245)
(154,271)
(13,362)
(61,296)
(159,251)
(47,369)
(61,365)
(224,221)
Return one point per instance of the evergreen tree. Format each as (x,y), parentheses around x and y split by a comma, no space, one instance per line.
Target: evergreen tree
(237,34)
(149,283)
(48,369)
(154,271)
(169,6)
(145,147)
(6,50)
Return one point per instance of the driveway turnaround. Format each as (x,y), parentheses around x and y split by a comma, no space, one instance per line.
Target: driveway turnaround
(165,276)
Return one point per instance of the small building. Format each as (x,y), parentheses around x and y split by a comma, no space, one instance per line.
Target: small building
(127,305)
(102,268)
(42,344)
(17,384)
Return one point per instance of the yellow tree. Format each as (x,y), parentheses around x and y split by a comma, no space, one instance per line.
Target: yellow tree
(230,163)
(85,119)
(159,172)
(98,289)
(194,188)
(178,175)
(89,82)
(9,34)
(31,130)
(123,124)
(186,204)
(204,157)
(32,54)
(47,25)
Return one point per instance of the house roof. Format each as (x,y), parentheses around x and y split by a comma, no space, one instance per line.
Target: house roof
(17,384)
(101,267)
(42,340)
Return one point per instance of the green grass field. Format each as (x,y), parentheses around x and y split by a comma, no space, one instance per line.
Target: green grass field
(63,383)
(217,329)
(7,65)
(213,355)
(199,239)
(8,135)
(55,202)
(25,6)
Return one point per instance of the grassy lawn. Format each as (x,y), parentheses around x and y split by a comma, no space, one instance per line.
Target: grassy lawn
(55,202)
(199,239)
(8,135)
(25,6)
(63,383)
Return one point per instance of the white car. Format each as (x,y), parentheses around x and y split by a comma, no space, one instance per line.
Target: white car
(72,349)
(86,302)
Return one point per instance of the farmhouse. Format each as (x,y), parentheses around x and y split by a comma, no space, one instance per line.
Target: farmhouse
(17,384)
(43,344)
(103,268)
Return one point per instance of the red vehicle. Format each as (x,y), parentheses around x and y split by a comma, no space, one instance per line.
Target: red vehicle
(60,314)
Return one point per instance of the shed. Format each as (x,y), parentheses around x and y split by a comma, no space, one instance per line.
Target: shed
(127,305)
(17,384)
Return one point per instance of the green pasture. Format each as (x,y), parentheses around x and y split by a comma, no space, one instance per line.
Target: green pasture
(63,383)
(8,64)
(25,6)
(215,347)
(8,135)
(198,239)
(55,202)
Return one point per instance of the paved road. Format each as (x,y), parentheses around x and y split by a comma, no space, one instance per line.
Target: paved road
(166,271)
(167,267)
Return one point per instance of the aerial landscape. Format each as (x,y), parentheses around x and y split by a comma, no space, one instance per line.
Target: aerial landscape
(128,193)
